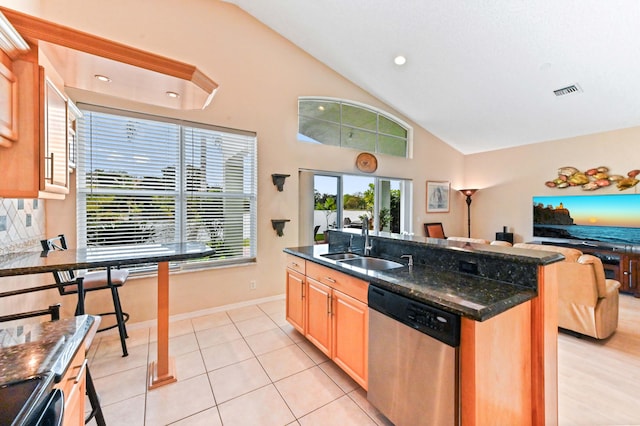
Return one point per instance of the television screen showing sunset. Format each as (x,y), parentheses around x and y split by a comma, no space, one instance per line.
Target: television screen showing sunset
(612,218)
(598,210)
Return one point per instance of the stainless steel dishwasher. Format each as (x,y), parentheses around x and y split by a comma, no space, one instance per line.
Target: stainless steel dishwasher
(413,360)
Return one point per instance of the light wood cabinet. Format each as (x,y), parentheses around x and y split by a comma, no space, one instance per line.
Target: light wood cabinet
(336,315)
(36,165)
(12,45)
(319,315)
(350,334)
(8,102)
(295,300)
(73,115)
(54,168)
(73,385)
(295,282)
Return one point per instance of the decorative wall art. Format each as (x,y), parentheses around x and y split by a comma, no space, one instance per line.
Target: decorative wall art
(592,179)
(437,196)
(366,162)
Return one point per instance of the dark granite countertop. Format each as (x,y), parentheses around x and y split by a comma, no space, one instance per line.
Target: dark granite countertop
(37,262)
(468,295)
(40,351)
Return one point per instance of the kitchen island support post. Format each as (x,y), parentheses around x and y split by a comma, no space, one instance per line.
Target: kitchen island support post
(162,372)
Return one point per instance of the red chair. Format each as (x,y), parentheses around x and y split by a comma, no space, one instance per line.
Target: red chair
(434,230)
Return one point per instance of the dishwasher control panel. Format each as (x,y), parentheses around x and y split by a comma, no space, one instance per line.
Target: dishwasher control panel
(426,317)
(437,323)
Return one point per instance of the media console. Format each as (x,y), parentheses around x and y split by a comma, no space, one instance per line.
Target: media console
(619,264)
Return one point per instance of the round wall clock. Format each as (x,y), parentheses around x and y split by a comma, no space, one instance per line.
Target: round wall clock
(366,162)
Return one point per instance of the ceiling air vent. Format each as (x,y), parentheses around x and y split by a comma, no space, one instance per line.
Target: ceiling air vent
(574,88)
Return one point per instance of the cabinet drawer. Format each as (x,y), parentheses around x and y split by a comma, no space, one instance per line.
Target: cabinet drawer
(73,373)
(347,284)
(296,263)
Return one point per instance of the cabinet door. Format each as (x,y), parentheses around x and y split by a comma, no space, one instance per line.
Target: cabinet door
(295,300)
(318,329)
(632,279)
(20,165)
(56,169)
(73,386)
(8,102)
(350,336)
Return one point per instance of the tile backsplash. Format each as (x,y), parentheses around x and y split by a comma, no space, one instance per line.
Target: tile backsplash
(22,224)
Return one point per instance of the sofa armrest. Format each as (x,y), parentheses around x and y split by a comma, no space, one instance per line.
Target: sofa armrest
(598,271)
(611,287)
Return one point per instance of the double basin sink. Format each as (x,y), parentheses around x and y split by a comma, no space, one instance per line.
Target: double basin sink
(364,262)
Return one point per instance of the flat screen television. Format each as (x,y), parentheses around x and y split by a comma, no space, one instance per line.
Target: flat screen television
(607,220)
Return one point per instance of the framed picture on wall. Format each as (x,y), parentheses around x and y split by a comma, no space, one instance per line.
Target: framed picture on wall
(437,196)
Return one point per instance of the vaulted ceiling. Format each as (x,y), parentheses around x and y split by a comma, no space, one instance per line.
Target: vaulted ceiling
(479,74)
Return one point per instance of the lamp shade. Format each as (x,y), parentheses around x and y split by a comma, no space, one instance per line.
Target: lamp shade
(468,192)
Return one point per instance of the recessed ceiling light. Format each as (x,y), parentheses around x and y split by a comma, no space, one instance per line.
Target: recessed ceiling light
(103,78)
(321,108)
(400,60)
(173,94)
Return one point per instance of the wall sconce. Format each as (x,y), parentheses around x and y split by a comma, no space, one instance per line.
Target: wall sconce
(278,180)
(468,193)
(278,225)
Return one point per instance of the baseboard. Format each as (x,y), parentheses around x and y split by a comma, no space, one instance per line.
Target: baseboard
(202,312)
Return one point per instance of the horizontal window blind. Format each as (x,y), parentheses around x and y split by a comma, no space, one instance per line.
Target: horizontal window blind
(143,180)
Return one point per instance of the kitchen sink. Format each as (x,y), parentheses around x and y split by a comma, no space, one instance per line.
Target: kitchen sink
(365,262)
(341,256)
(372,263)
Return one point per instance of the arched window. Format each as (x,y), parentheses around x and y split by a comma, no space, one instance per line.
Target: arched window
(350,125)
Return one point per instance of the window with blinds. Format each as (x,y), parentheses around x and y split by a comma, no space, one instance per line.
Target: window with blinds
(143,179)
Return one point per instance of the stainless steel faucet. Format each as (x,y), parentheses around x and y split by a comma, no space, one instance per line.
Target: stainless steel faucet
(365,231)
(410,257)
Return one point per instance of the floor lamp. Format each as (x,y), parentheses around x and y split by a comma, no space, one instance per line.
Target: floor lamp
(468,193)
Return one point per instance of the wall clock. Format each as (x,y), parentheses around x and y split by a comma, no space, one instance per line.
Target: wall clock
(366,162)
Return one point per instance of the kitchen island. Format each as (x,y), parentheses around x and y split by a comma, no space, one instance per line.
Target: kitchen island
(505,298)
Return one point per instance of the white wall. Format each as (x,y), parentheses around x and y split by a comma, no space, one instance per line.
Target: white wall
(31,7)
(261,76)
(509,178)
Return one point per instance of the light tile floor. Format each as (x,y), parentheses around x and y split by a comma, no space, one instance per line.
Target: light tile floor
(245,366)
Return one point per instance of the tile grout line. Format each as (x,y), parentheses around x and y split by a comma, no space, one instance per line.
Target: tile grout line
(255,357)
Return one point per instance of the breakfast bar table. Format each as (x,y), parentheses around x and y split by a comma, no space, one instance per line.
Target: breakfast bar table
(162,371)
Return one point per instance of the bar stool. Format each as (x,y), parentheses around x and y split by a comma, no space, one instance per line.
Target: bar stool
(70,283)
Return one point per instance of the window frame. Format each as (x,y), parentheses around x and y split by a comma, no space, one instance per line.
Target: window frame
(406,199)
(342,126)
(181,193)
